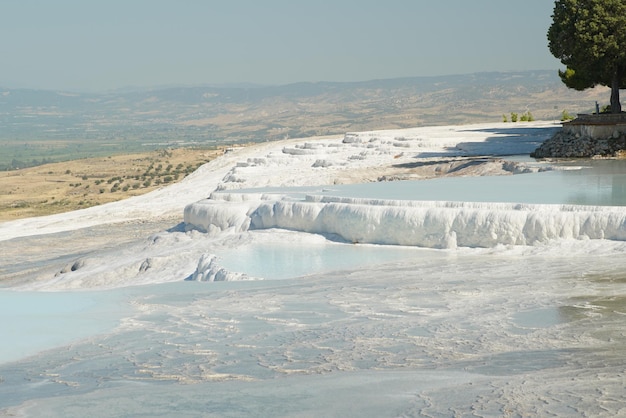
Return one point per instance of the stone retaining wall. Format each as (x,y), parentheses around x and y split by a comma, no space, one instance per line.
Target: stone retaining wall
(601,119)
(597,126)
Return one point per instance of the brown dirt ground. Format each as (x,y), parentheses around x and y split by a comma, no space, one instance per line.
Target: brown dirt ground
(71,185)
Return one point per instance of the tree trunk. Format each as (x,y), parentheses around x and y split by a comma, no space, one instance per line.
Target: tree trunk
(616,106)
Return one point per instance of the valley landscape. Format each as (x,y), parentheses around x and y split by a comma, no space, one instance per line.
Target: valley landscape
(52,126)
(124,132)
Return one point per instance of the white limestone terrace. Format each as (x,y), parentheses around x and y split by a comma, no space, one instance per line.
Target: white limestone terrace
(423,224)
(227,200)
(368,155)
(355,157)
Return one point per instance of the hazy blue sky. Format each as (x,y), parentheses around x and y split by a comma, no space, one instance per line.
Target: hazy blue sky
(107,44)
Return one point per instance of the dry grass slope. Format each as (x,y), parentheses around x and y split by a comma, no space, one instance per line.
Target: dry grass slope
(62,187)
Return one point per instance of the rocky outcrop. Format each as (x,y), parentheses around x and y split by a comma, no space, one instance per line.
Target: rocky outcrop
(571,144)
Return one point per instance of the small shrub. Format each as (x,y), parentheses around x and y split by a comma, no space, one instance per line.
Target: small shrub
(527,117)
(566,116)
(504,119)
(513,117)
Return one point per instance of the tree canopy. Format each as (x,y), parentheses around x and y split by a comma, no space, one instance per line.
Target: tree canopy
(589,38)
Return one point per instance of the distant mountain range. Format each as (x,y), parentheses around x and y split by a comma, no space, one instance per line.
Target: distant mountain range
(181,115)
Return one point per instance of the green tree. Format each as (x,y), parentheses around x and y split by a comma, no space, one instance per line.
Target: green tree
(589,38)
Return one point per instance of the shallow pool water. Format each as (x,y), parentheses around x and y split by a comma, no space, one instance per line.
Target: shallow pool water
(35,320)
(597,183)
(578,182)
(293,259)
